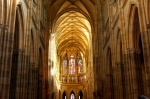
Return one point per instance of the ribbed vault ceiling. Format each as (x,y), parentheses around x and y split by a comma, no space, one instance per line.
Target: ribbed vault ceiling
(72,26)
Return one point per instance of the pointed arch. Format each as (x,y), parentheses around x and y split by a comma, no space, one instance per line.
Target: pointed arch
(20,25)
(133,27)
(17,53)
(72,95)
(19,29)
(135,38)
(109,59)
(64,95)
(32,47)
(118,46)
(80,95)
(71,9)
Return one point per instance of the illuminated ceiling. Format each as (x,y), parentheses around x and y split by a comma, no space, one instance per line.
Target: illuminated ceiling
(72,24)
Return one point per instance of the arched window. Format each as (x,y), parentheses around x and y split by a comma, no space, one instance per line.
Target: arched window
(80,94)
(64,95)
(80,63)
(72,69)
(72,95)
(72,64)
(64,65)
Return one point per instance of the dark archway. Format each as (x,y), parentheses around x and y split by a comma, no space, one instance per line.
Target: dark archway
(53,95)
(80,95)
(64,96)
(15,57)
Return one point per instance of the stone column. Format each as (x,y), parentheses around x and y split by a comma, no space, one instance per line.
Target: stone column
(40,77)
(34,85)
(5,61)
(35,81)
(47,88)
(148,30)
(23,75)
(147,62)
(118,88)
(96,77)
(1,51)
(19,73)
(26,76)
(132,74)
(3,35)
(107,87)
(99,93)
(30,81)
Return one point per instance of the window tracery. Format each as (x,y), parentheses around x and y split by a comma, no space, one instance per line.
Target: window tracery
(72,65)
(64,65)
(72,69)
(80,63)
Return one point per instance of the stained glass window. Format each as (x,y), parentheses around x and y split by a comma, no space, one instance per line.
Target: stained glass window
(72,68)
(64,65)
(72,65)
(80,63)
(72,96)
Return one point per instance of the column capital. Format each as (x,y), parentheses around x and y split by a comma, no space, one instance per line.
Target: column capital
(148,26)
(32,64)
(133,50)
(3,26)
(21,51)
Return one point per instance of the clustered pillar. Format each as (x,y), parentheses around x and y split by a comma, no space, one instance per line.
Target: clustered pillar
(118,88)
(132,74)
(5,60)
